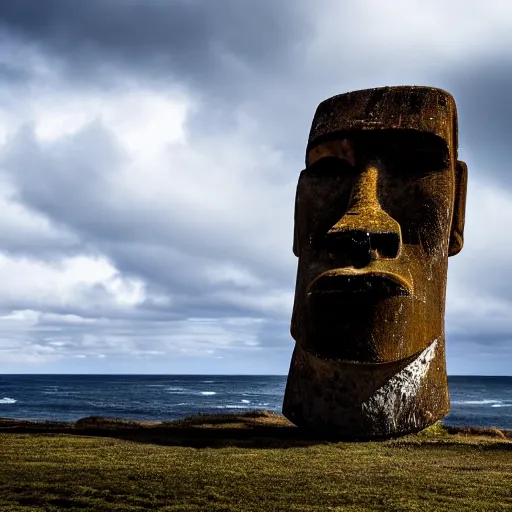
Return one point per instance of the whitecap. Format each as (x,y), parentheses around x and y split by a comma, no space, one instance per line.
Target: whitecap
(246,401)
(501,405)
(208,381)
(50,390)
(7,400)
(208,393)
(476,402)
(232,407)
(174,389)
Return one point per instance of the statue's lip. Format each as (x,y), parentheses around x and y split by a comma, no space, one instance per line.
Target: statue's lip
(365,281)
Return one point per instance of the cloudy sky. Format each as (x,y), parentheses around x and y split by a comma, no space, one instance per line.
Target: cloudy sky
(149,153)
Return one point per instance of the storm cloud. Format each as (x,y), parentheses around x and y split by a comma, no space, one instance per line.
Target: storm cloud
(149,156)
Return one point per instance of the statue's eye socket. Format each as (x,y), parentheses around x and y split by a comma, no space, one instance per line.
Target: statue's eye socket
(330,166)
(418,162)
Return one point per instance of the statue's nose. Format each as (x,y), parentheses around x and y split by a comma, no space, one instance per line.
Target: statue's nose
(365,227)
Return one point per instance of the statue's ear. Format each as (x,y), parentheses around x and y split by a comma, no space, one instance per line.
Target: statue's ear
(459,210)
(295,223)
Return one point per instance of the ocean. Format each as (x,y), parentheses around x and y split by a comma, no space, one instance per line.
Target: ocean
(475,401)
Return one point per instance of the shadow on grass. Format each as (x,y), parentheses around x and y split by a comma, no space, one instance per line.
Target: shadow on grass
(252,429)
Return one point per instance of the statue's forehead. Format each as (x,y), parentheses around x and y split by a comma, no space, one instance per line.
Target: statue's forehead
(410,108)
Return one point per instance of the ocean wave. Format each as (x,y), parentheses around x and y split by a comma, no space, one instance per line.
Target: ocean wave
(62,393)
(501,405)
(7,400)
(232,407)
(208,381)
(208,393)
(174,389)
(476,402)
(246,401)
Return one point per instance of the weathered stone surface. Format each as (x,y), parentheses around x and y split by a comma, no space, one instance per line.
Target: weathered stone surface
(379,208)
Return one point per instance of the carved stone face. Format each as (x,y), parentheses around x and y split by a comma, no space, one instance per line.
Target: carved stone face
(379,208)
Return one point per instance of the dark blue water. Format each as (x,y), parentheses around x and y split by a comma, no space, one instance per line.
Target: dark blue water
(476,401)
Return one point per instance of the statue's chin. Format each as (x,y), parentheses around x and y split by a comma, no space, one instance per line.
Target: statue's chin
(367,400)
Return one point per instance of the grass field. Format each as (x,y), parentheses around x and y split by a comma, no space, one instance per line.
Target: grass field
(252,462)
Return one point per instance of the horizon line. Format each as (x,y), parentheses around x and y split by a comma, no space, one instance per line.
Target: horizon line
(205,374)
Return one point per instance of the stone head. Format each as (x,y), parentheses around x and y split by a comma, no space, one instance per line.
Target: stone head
(379,208)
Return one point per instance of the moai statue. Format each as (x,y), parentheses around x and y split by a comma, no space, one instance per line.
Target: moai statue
(379,208)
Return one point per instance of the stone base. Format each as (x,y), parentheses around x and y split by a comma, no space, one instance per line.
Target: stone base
(363,401)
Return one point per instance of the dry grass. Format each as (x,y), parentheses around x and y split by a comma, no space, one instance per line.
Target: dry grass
(252,462)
